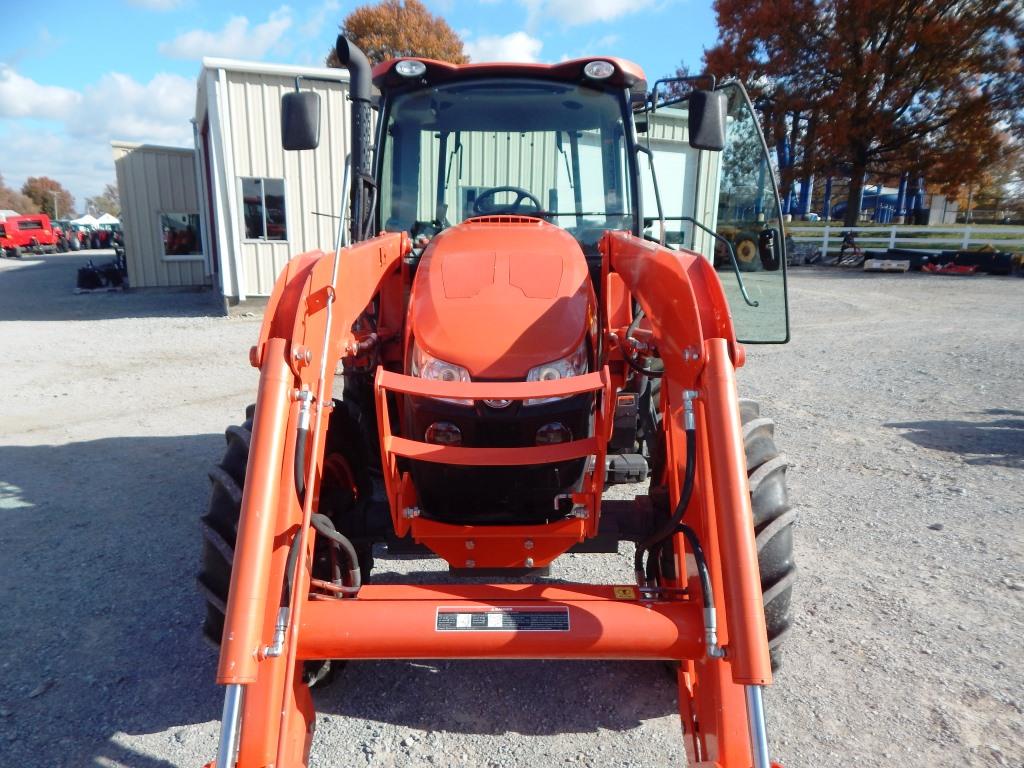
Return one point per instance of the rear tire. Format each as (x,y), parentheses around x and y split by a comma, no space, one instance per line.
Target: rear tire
(748,256)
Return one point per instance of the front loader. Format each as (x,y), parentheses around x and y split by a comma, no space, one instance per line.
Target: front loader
(498,336)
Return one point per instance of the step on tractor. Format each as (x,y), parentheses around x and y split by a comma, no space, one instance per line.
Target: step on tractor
(521,309)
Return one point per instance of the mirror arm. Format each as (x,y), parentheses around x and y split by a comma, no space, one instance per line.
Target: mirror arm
(732,256)
(654,182)
(653,97)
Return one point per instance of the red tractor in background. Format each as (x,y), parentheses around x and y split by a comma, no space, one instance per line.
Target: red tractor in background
(31,233)
(494,341)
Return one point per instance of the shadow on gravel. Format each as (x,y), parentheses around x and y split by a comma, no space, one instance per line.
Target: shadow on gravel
(495,697)
(489,697)
(998,442)
(99,544)
(42,288)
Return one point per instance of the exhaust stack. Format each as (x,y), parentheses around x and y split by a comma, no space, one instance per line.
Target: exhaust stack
(363,188)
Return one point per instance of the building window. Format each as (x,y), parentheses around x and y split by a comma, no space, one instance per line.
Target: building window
(180,232)
(263,209)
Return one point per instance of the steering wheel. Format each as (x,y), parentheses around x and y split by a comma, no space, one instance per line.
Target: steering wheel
(514,207)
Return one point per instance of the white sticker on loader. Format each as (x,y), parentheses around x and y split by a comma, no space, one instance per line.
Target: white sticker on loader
(554,619)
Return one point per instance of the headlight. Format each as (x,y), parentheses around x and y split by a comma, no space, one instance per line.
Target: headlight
(599,70)
(573,365)
(428,367)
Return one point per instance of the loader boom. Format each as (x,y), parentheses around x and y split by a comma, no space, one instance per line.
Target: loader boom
(653,312)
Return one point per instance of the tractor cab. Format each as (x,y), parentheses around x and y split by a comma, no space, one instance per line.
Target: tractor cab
(553,143)
(584,146)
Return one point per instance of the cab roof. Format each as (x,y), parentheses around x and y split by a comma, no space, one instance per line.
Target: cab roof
(626,74)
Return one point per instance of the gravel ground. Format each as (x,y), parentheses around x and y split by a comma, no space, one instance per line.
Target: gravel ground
(899,402)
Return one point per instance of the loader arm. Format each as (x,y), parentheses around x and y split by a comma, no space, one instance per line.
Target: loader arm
(269,716)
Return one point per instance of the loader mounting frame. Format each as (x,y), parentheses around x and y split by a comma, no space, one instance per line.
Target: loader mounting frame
(308,328)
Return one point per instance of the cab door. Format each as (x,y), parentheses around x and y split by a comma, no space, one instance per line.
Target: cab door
(723,205)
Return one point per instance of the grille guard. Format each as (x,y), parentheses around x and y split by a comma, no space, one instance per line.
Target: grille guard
(495,546)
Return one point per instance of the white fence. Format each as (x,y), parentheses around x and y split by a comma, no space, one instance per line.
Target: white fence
(1002,238)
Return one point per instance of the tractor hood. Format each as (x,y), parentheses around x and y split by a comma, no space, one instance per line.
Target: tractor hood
(500,295)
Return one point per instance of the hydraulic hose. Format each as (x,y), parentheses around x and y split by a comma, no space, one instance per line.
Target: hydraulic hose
(652,373)
(715,651)
(289,572)
(654,541)
(707,596)
(281,626)
(301,438)
(323,525)
(325,528)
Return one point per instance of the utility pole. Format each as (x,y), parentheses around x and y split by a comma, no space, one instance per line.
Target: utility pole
(56,210)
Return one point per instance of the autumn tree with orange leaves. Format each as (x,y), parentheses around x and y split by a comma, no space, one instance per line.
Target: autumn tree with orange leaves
(394,28)
(880,86)
(44,192)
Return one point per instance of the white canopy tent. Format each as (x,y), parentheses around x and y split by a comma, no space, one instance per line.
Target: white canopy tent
(106,218)
(88,220)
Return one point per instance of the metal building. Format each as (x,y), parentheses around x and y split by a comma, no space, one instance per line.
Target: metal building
(160,216)
(263,205)
(231,213)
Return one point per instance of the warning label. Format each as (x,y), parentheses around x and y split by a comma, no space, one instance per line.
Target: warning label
(502,620)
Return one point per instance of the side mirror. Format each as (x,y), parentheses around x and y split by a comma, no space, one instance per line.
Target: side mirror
(769,249)
(707,120)
(300,120)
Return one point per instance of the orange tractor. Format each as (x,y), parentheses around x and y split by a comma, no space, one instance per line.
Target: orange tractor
(491,344)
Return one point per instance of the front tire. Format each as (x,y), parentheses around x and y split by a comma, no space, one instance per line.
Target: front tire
(220,527)
(774,519)
(342,472)
(772,515)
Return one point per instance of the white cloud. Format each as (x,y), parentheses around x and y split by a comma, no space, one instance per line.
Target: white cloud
(236,39)
(600,46)
(575,13)
(82,167)
(156,5)
(66,134)
(318,19)
(23,97)
(516,46)
(123,108)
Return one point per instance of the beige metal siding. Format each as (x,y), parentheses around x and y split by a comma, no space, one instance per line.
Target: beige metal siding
(312,177)
(489,159)
(154,180)
(694,192)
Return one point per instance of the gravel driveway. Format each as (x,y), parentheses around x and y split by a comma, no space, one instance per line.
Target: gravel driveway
(900,403)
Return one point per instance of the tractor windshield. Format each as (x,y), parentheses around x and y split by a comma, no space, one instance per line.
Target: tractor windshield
(527,147)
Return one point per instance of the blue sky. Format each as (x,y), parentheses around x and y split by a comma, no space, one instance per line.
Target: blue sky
(79,75)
